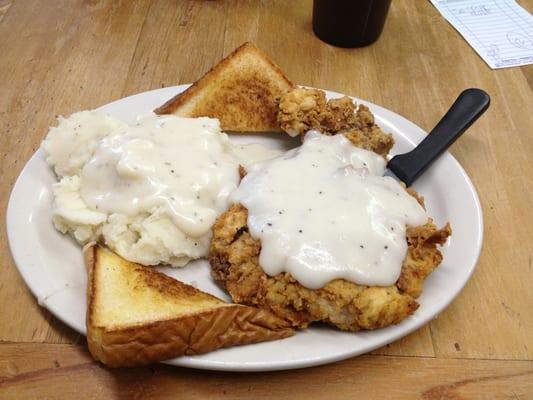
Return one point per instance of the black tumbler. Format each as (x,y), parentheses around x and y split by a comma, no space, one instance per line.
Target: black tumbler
(349,23)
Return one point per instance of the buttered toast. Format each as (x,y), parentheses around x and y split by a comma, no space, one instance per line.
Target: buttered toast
(242,91)
(137,315)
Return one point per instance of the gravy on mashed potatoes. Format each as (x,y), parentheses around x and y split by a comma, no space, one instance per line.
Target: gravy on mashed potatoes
(151,190)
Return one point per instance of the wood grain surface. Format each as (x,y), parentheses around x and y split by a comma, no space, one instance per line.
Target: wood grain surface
(57,57)
(64,371)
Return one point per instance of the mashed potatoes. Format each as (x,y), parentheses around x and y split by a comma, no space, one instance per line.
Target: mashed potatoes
(150,191)
(70,144)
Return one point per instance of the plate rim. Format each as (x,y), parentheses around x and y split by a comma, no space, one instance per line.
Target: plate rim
(192,362)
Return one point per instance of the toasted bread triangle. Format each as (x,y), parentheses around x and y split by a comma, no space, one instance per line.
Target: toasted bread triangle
(137,315)
(119,284)
(242,91)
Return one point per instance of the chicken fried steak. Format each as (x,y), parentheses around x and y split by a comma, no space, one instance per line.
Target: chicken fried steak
(234,253)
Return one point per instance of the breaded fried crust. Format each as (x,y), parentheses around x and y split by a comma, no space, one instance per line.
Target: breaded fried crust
(234,258)
(303,109)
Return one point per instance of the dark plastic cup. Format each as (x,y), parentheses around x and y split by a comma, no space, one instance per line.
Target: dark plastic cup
(349,23)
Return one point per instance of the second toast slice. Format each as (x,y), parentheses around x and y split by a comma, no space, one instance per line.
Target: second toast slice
(242,91)
(137,315)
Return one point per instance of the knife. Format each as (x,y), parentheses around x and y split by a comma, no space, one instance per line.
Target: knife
(468,107)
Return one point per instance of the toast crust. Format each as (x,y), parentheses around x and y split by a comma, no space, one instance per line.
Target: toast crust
(222,325)
(195,334)
(242,91)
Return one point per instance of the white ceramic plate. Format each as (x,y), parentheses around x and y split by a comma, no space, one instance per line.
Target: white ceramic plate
(52,267)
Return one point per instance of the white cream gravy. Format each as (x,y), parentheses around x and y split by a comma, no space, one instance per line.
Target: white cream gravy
(182,167)
(325,211)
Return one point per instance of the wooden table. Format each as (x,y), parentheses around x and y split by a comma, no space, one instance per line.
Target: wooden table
(57,57)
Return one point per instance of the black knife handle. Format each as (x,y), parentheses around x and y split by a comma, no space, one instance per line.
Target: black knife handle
(468,107)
